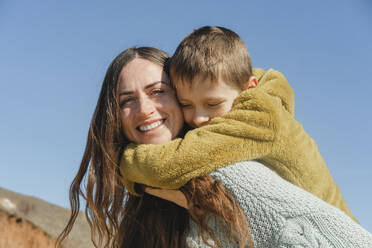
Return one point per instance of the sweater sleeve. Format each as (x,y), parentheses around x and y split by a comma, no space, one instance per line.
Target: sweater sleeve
(281,214)
(247,132)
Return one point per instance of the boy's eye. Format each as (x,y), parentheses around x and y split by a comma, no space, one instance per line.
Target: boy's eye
(214,104)
(185,105)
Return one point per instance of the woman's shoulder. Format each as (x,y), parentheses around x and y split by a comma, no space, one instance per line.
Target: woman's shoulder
(286,213)
(249,172)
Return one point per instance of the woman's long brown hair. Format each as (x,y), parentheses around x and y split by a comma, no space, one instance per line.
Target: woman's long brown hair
(120,220)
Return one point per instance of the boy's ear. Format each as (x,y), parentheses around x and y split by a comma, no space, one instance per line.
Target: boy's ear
(251,83)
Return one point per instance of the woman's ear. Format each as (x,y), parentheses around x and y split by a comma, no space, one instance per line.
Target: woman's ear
(251,83)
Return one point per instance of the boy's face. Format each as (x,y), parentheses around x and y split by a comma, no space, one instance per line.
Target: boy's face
(205,100)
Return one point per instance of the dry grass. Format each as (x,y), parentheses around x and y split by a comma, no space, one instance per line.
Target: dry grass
(16,232)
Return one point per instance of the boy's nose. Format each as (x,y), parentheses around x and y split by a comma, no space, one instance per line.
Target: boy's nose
(200,120)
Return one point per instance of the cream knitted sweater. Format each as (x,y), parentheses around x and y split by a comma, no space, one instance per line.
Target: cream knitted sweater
(281,214)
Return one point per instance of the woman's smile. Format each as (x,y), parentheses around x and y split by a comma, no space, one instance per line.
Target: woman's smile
(148,127)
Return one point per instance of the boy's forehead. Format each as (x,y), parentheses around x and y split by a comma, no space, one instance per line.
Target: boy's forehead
(195,82)
(199,82)
(205,88)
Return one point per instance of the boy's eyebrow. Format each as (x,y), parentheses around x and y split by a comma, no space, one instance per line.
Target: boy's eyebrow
(206,99)
(215,98)
(146,87)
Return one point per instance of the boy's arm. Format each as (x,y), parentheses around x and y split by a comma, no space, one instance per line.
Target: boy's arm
(247,132)
(276,85)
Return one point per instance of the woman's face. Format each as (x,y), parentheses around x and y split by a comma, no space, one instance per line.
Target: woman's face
(150,113)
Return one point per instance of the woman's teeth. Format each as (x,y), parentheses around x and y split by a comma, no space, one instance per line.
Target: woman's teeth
(145,128)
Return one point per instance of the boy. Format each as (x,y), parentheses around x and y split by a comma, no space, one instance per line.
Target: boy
(253,118)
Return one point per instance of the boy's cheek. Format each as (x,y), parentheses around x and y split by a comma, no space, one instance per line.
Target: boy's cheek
(223,109)
(187,115)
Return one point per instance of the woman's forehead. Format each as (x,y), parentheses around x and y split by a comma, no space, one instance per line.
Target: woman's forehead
(139,73)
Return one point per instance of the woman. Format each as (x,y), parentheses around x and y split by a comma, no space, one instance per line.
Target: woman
(136,88)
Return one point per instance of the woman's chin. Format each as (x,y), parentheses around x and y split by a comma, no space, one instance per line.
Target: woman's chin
(157,139)
(158,136)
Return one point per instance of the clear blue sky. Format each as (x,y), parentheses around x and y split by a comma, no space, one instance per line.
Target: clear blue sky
(54,54)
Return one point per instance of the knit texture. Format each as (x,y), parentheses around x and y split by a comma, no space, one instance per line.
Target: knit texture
(194,239)
(281,214)
(260,126)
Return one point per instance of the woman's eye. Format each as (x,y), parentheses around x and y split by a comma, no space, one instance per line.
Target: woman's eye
(157,91)
(126,101)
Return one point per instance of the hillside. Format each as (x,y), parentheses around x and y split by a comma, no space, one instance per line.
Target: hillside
(28,222)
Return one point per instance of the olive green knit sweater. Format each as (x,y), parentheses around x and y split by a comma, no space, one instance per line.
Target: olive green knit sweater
(260,126)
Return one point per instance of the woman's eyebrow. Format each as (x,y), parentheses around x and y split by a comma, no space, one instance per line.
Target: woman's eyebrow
(146,87)
(155,83)
(125,93)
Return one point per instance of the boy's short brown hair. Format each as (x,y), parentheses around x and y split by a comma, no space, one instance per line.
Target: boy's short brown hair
(211,53)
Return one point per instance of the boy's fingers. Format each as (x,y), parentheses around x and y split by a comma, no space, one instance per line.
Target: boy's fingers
(174,196)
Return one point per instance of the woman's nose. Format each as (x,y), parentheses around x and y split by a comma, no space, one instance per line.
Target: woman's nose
(146,107)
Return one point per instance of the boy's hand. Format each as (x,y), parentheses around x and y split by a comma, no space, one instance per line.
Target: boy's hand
(172,195)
